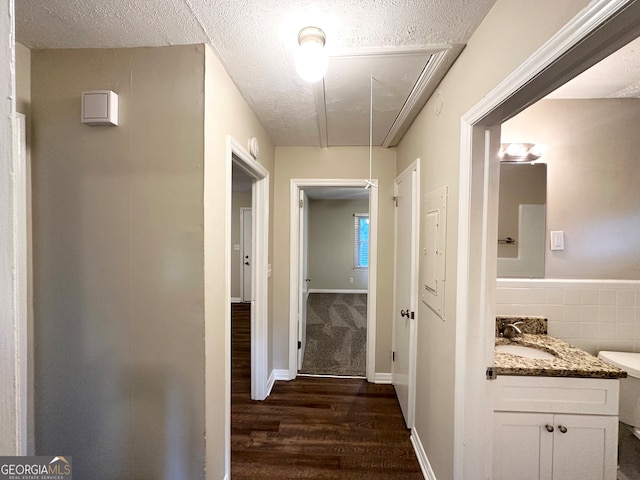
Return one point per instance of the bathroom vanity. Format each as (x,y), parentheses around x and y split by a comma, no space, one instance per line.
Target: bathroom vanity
(553,418)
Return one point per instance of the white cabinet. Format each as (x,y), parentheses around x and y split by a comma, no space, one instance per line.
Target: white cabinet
(543,446)
(569,434)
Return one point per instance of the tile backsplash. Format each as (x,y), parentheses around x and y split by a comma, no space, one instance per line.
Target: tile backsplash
(591,314)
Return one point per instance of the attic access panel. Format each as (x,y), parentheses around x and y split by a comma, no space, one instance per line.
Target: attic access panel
(347,94)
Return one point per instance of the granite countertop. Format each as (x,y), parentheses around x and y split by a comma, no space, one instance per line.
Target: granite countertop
(570,361)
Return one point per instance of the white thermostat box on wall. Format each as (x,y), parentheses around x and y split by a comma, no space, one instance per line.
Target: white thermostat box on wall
(100,107)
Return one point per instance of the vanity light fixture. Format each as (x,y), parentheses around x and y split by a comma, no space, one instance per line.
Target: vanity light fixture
(521,152)
(311,58)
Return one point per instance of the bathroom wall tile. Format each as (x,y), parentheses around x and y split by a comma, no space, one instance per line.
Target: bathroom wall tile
(589,331)
(590,297)
(553,312)
(625,314)
(637,314)
(625,297)
(572,296)
(636,346)
(606,331)
(615,345)
(537,296)
(555,296)
(590,313)
(607,297)
(572,313)
(607,314)
(511,295)
(590,346)
(564,330)
(625,331)
(638,297)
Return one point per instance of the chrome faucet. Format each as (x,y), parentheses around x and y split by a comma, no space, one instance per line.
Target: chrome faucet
(511,330)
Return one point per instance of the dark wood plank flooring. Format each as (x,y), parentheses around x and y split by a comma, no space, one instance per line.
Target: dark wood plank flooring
(314,427)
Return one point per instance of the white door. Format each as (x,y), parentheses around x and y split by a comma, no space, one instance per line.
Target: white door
(303,276)
(247,246)
(404,329)
(585,447)
(523,446)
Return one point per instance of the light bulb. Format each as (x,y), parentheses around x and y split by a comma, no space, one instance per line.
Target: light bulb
(311,57)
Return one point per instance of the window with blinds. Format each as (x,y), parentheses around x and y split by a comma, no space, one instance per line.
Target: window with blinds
(360,241)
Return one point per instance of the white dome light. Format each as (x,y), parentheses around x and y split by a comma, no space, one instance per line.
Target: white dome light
(311,57)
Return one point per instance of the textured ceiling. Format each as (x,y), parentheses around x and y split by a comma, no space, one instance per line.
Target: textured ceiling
(617,76)
(255,39)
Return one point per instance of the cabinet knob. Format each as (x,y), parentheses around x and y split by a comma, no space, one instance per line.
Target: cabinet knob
(562,428)
(549,428)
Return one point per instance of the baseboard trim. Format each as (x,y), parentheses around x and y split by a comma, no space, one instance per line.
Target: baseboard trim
(336,290)
(280,374)
(383,378)
(425,466)
(270,381)
(236,300)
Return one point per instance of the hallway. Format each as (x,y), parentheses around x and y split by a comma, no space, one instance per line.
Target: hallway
(314,427)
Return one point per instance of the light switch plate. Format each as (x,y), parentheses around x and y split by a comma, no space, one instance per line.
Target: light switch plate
(557,240)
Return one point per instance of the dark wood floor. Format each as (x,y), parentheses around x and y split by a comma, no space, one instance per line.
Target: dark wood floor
(314,427)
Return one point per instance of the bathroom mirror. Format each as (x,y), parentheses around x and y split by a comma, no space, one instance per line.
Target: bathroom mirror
(521,220)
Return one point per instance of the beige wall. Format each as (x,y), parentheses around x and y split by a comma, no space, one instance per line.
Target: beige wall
(238,200)
(592,195)
(226,113)
(331,237)
(495,50)
(118,262)
(23,79)
(335,162)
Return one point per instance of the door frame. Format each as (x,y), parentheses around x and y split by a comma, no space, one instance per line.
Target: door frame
(598,30)
(415,254)
(244,210)
(238,156)
(295,283)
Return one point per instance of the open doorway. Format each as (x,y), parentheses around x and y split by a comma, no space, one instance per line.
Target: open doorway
(333,271)
(334,281)
(588,38)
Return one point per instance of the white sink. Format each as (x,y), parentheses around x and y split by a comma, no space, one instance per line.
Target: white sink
(527,352)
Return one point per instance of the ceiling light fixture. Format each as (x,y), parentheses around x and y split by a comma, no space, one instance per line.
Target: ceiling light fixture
(521,152)
(311,57)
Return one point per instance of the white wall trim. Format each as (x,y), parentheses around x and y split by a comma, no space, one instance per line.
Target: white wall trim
(10,398)
(423,461)
(336,290)
(237,155)
(566,283)
(281,374)
(383,378)
(556,61)
(294,268)
(236,300)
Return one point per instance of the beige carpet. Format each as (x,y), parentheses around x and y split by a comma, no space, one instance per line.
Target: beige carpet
(336,334)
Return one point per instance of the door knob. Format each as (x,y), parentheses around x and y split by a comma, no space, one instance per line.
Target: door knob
(549,428)
(562,428)
(246,263)
(405,313)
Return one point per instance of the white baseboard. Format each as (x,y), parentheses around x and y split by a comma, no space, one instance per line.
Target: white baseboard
(425,466)
(383,378)
(236,300)
(270,381)
(336,290)
(281,374)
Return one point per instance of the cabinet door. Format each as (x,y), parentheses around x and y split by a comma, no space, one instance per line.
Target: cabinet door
(522,446)
(585,447)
